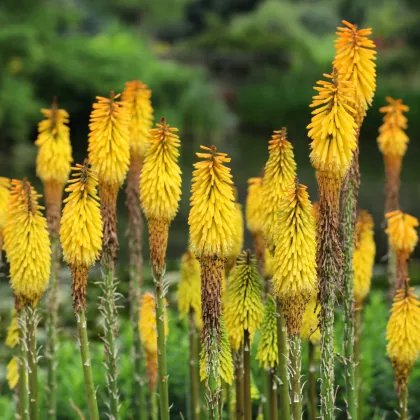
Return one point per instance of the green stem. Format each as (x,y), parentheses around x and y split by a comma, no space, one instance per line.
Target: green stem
(153,399)
(283,362)
(357,360)
(312,382)
(87,368)
(348,226)
(161,345)
(51,326)
(195,407)
(404,402)
(23,367)
(295,364)
(109,312)
(327,354)
(247,376)
(32,323)
(273,396)
(239,384)
(213,377)
(266,392)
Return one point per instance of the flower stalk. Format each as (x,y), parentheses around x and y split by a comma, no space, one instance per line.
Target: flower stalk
(295,384)
(23,366)
(247,376)
(283,352)
(312,382)
(32,323)
(194,383)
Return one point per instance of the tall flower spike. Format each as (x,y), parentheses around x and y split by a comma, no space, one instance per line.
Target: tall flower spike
(243,309)
(54,160)
(403,334)
(81,229)
(392,141)
(355,61)
(238,239)
(4,202)
(147,327)
(27,244)
(363,256)
(310,329)
(267,353)
(189,291)
(160,187)
(332,128)
(279,172)
(225,358)
(137,97)
(294,264)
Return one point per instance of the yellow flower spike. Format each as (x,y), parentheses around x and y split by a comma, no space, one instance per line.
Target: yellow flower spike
(243,308)
(27,244)
(12,338)
(355,61)
(212,205)
(225,358)
(109,138)
(392,139)
(4,202)
(81,229)
(268,264)
(137,97)
(403,334)
(310,330)
(332,128)
(13,372)
(238,239)
(254,210)
(294,263)
(160,187)
(267,353)
(363,256)
(279,172)
(402,232)
(189,291)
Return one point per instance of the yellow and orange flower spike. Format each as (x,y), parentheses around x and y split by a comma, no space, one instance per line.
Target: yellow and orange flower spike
(294,263)
(189,290)
(363,256)
(355,62)
(137,97)
(4,202)
(332,128)
(392,142)
(54,160)
(160,187)
(267,353)
(279,172)
(402,232)
(212,205)
(238,239)
(81,229)
(27,244)
(148,335)
(403,334)
(310,328)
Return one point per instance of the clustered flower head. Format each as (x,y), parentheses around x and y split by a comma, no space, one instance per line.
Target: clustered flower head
(27,244)
(402,232)
(332,128)
(189,291)
(225,360)
(55,154)
(148,334)
(238,239)
(4,202)
(243,309)
(355,61)
(310,328)
(403,334)
(279,172)
(363,256)
(160,187)
(294,263)
(392,138)
(109,138)
(137,97)
(267,353)
(212,211)
(81,228)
